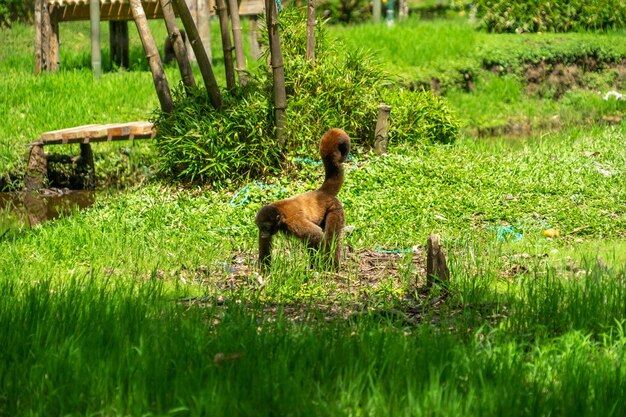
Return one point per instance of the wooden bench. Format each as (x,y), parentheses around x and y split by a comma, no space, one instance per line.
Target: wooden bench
(36,172)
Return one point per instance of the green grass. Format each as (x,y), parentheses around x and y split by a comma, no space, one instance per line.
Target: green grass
(113,345)
(453,57)
(92,316)
(31,105)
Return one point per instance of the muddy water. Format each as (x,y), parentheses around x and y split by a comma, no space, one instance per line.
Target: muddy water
(28,208)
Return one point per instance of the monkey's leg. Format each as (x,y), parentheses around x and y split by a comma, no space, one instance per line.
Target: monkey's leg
(265,250)
(332,235)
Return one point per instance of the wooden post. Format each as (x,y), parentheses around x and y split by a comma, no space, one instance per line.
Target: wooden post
(376,11)
(45,36)
(310,31)
(436,266)
(203,19)
(54,58)
(201,56)
(94,19)
(240,58)
(86,168)
(38,37)
(382,129)
(118,42)
(403,9)
(278,70)
(37,169)
(222,12)
(255,51)
(156,67)
(178,44)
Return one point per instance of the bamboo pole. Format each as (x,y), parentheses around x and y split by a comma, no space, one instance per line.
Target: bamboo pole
(222,12)
(178,44)
(278,70)
(201,56)
(240,58)
(156,67)
(96,55)
(310,31)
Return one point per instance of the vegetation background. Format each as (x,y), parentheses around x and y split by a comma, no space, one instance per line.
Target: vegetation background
(148,301)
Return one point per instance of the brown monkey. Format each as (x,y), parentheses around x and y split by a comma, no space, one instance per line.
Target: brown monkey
(316,216)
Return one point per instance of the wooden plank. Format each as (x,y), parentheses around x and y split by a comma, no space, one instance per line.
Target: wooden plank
(97,133)
(251,7)
(57,134)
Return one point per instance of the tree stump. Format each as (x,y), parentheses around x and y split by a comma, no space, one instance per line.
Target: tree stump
(436,266)
(36,172)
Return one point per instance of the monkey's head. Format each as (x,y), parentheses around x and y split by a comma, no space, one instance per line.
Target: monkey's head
(268,220)
(335,145)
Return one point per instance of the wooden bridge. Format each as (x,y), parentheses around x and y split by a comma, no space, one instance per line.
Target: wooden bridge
(84,135)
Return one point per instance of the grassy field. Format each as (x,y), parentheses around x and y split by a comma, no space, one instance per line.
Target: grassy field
(148,302)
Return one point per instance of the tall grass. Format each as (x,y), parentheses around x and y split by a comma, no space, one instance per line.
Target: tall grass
(106,347)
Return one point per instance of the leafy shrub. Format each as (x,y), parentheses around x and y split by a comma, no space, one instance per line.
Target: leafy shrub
(419,116)
(343,89)
(550,16)
(346,11)
(196,142)
(16,11)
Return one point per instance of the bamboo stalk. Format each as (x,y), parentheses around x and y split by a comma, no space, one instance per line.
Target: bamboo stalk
(240,58)
(178,44)
(229,68)
(310,31)
(156,67)
(278,70)
(201,56)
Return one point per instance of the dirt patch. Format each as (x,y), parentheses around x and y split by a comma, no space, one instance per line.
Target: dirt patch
(388,283)
(553,80)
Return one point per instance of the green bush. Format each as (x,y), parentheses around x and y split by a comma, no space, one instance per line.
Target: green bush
(550,16)
(16,11)
(419,117)
(343,89)
(198,143)
(346,11)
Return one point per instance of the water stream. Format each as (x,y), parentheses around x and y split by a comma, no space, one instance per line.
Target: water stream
(28,208)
